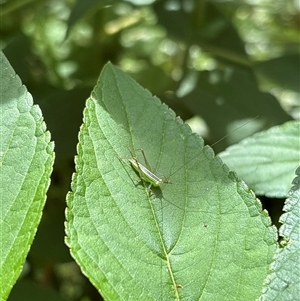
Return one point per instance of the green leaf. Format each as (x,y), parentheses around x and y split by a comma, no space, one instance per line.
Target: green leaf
(283,71)
(223,93)
(283,283)
(26,164)
(203,236)
(267,160)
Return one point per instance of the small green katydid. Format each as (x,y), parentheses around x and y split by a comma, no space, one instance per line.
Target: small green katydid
(144,172)
(149,177)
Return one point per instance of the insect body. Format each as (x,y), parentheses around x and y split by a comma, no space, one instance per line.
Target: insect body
(145,173)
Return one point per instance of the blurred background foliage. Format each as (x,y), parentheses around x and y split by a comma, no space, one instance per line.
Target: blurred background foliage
(217,63)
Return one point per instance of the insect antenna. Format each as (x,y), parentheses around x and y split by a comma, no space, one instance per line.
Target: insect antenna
(221,139)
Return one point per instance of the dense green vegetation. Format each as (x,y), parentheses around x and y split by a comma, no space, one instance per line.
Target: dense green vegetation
(203,235)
